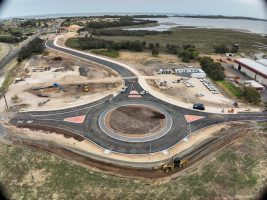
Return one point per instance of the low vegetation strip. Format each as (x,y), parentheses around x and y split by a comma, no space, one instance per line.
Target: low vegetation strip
(209,38)
(104,52)
(9,39)
(9,77)
(120,32)
(230,89)
(248,94)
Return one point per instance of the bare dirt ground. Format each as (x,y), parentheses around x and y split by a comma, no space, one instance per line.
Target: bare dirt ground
(135,120)
(180,92)
(68,74)
(62,40)
(177,93)
(147,64)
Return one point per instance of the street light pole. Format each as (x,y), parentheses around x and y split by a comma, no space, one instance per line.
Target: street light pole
(189,127)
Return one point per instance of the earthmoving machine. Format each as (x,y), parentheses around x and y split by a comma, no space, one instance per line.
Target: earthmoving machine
(231,110)
(175,162)
(86,88)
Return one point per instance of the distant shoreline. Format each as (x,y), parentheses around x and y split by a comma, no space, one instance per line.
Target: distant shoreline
(137,15)
(221,17)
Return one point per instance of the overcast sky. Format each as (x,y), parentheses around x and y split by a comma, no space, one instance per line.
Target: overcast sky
(251,8)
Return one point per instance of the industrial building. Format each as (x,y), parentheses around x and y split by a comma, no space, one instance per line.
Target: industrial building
(253,69)
(164,71)
(191,72)
(253,84)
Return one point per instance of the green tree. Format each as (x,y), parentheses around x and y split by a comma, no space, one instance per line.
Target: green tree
(235,48)
(188,54)
(155,52)
(221,49)
(35,46)
(214,70)
(251,95)
(151,46)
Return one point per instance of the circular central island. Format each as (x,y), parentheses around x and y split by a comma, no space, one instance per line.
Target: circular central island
(135,122)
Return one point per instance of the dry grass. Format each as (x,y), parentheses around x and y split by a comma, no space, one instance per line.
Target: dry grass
(236,172)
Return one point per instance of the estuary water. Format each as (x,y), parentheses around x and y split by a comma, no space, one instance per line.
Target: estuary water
(259,27)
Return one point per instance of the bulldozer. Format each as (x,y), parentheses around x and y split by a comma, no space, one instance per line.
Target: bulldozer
(231,110)
(175,162)
(86,88)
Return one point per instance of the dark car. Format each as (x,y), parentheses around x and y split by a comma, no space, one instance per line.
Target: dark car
(199,106)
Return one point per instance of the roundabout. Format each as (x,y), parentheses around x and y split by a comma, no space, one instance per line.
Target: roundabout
(135,122)
(126,123)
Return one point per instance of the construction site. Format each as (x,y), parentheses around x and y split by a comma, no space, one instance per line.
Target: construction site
(133,117)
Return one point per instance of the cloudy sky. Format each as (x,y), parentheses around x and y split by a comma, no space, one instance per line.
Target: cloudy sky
(251,8)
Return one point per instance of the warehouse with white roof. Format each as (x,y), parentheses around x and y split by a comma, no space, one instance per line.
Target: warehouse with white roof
(252,69)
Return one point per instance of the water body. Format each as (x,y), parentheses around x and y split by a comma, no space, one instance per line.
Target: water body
(259,27)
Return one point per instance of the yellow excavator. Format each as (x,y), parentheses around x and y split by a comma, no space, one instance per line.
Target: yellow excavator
(175,162)
(86,88)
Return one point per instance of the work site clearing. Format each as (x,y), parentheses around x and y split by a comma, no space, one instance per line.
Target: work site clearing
(203,159)
(56,82)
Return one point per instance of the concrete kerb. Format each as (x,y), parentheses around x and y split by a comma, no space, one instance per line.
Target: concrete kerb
(154,136)
(138,165)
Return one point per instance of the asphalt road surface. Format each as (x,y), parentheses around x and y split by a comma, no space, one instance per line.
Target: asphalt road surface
(90,129)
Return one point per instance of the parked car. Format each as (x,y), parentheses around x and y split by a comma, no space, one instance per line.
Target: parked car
(199,95)
(124,89)
(143,92)
(199,106)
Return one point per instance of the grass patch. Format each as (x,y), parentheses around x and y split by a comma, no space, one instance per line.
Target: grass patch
(230,88)
(108,53)
(73,43)
(9,77)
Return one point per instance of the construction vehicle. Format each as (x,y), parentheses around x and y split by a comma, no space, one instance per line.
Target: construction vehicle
(86,88)
(175,162)
(231,110)
(26,70)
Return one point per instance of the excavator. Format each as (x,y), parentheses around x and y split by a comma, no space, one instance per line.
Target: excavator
(175,162)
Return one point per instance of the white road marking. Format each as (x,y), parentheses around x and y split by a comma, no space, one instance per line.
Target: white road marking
(165,152)
(186,139)
(106,151)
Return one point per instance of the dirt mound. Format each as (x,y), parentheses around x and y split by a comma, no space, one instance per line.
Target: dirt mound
(135,120)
